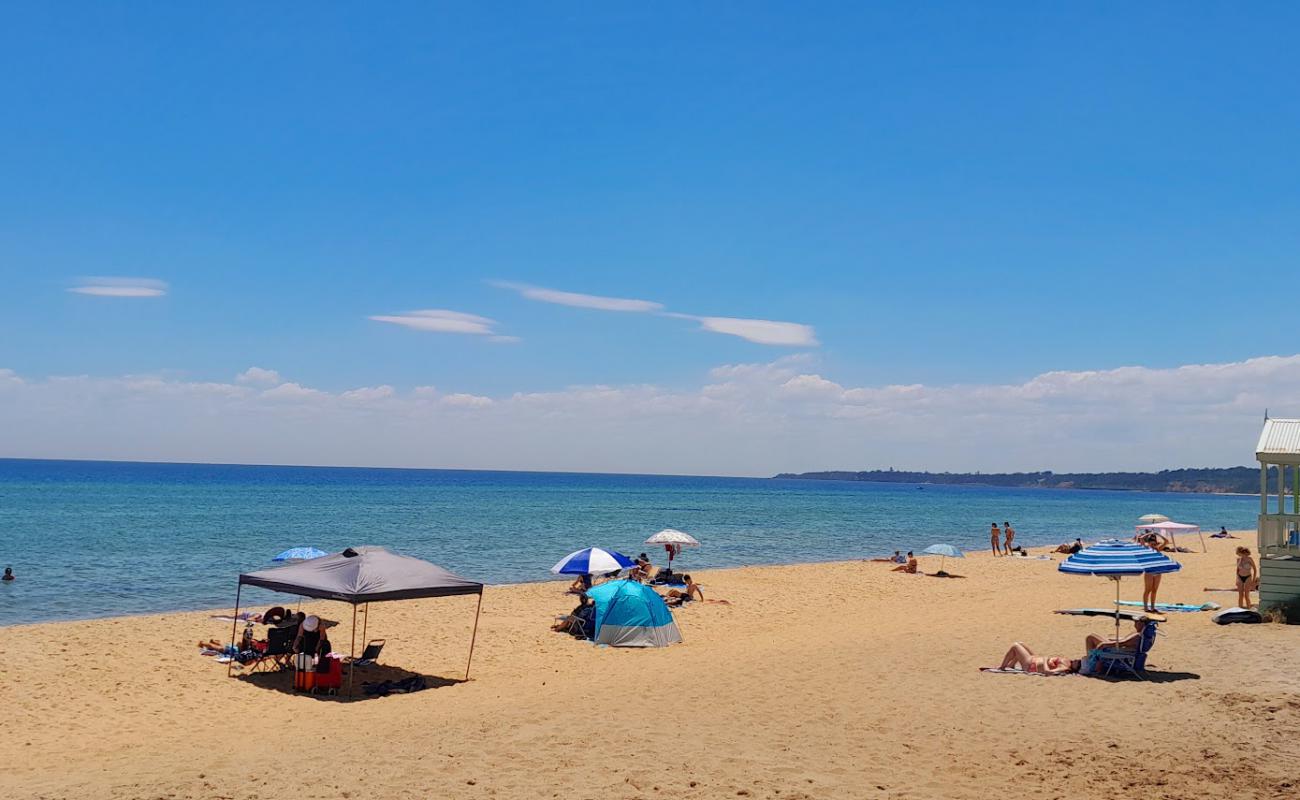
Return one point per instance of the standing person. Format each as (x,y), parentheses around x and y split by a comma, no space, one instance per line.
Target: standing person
(1247,574)
(1010,535)
(996,536)
(1150,580)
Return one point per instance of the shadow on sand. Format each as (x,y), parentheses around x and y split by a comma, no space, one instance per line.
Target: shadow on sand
(282,681)
(1152,676)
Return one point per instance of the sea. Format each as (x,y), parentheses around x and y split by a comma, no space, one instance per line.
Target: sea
(93,539)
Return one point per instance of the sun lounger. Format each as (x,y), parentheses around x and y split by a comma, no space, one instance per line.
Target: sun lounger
(279,647)
(371,654)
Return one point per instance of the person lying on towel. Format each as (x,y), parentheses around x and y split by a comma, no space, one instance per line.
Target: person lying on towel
(1022,658)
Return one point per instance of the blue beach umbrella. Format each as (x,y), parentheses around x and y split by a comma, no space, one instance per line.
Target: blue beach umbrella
(300,554)
(1114,559)
(945,551)
(631,614)
(592,561)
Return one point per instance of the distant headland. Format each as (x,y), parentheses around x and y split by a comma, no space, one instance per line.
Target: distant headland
(1223,480)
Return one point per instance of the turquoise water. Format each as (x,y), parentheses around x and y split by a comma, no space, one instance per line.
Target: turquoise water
(91,539)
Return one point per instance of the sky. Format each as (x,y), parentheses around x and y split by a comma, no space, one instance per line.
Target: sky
(726,238)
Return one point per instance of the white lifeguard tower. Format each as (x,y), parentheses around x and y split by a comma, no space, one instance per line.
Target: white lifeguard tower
(1279,532)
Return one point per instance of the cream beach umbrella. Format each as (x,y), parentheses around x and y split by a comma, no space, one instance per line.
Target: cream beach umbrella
(1153,518)
(673,541)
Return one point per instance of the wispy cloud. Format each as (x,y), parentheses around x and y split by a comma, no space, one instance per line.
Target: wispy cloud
(577,300)
(440,320)
(759,331)
(120,287)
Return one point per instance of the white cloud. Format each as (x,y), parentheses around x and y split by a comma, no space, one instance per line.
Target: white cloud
(257,375)
(743,419)
(120,287)
(442,321)
(759,331)
(576,300)
(292,391)
(467,401)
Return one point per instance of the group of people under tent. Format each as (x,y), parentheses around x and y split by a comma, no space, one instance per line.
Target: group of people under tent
(308,631)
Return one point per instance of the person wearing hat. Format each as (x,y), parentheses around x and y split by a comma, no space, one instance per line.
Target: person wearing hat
(311,639)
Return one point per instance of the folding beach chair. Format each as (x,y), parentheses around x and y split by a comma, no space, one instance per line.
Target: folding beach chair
(371,654)
(1110,660)
(279,649)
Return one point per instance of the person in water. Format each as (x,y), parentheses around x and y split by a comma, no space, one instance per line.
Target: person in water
(1247,576)
(9,574)
(1021,657)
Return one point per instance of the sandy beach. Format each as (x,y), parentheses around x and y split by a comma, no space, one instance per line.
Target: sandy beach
(818,681)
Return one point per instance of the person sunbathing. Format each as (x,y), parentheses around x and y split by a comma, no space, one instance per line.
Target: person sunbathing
(675,597)
(896,558)
(1127,643)
(1022,658)
(643,569)
(910,567)
(1070,548)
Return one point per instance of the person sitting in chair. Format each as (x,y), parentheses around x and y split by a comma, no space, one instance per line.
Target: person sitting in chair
(1128,643)
(580,584)
(643,569)
(580,618)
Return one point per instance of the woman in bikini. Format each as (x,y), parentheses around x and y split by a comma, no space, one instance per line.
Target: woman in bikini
(1151,580)
(1010,535)
(910,567)
(996,536)
(1247,574)
(1021,657)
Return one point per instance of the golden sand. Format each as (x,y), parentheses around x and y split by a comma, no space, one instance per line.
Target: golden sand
(819,681)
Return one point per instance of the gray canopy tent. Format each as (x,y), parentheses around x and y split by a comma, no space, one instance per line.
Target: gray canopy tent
(363,575)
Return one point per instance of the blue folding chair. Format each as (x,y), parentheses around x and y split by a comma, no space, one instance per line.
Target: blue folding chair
(1109,660)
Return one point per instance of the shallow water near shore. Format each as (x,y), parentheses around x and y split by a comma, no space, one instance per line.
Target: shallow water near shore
(94,539)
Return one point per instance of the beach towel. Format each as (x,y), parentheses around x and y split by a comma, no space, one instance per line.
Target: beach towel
(1012,671)
(1176,606)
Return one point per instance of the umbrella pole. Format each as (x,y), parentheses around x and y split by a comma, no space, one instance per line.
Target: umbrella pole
(474,636)
(234,626)
(1117,609)
(352,650)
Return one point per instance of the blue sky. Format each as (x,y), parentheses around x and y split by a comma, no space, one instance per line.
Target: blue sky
(947,195)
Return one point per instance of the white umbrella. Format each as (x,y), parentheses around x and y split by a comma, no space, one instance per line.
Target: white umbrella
(673,541)
(1153,518)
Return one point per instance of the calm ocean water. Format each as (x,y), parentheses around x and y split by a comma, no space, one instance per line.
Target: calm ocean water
(91,539)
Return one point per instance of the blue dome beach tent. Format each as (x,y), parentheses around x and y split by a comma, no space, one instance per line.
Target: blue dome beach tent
(592,561)
(630,614)
(944,551)
(1114,559)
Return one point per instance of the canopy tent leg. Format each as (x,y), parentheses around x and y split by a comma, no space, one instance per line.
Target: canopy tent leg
(234,626)
(474,636)
(352,649)
(365,623)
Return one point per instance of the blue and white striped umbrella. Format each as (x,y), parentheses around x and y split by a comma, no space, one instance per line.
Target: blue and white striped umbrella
(1115,557)
(592,561)
(300,554)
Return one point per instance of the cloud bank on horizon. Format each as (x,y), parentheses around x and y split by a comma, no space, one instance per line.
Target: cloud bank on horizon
(745,419)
